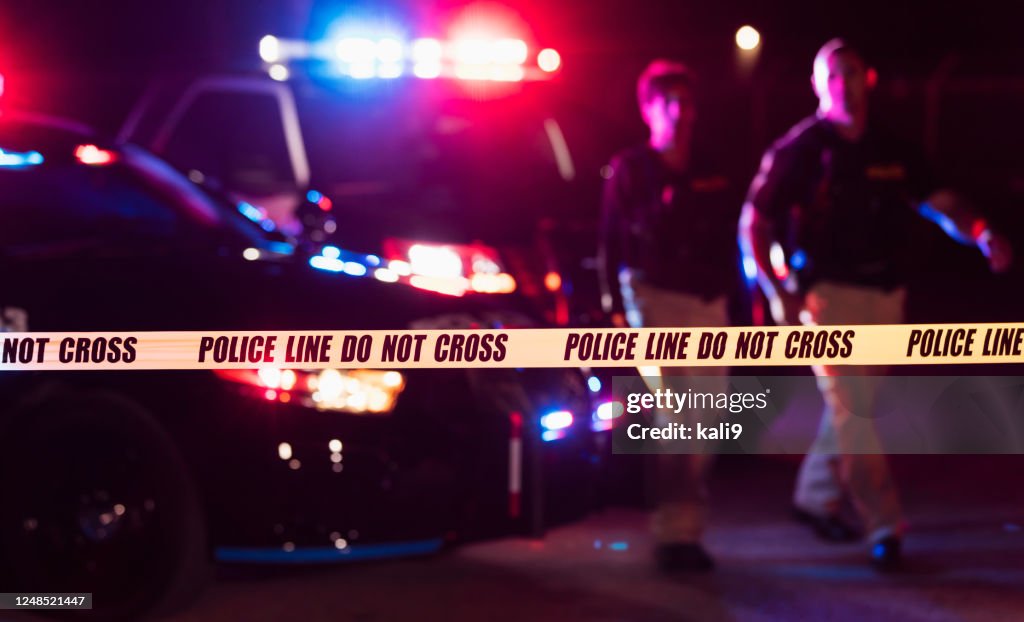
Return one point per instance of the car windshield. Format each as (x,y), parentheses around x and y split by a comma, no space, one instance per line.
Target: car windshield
(412,159)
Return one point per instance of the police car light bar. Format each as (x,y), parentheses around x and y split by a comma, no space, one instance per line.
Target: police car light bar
(479,58)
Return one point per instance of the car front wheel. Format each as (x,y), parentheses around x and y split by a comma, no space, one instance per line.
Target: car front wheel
(96,498)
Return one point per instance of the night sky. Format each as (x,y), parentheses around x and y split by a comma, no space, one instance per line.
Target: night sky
(90,34)
(91,59)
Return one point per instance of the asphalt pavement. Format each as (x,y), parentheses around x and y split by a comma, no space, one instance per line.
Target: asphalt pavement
(965,561)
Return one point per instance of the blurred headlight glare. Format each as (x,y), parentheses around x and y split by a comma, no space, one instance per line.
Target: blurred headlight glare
(359,391)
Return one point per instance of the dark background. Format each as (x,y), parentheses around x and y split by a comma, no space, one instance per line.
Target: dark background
(89,58)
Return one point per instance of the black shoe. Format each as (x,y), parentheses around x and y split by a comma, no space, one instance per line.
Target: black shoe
(829,528)
(886,554)
(683,557)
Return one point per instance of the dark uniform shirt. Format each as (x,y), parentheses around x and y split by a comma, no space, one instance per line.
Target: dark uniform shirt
(673,230)
(842,210)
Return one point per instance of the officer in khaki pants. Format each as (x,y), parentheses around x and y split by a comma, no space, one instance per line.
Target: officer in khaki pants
(668,258)
(838,194)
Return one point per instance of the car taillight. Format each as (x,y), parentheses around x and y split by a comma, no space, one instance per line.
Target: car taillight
(94,156)
(359,391)
(451,269)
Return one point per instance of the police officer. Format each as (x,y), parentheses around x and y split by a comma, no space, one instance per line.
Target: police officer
(838,195)
(668,257)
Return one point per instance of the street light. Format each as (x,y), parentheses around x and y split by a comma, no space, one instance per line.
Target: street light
(747,38)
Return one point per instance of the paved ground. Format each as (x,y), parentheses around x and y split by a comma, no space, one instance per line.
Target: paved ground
(966,562)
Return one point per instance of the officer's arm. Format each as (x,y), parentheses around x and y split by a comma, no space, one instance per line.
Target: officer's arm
(954,215)
(769,194)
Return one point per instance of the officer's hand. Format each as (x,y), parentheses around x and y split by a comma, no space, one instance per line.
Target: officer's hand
(785,308)
(996,248)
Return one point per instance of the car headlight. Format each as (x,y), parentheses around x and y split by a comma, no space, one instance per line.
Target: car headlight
(452,269)
(359,391)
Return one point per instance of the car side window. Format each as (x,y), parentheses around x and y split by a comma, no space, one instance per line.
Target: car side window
(236,137)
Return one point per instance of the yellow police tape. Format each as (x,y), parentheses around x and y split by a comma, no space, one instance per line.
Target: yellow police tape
(561,347)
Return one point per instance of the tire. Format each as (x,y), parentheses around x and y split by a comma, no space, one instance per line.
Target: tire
(98,499)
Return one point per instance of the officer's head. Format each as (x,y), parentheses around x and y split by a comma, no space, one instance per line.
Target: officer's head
(665,95)
(842,80)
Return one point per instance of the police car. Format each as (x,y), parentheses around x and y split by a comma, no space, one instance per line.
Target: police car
(129,484)
(450,151)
